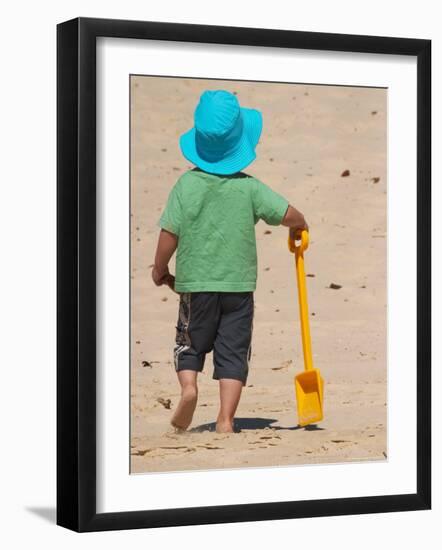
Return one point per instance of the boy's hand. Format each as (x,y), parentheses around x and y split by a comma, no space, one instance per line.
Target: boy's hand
(295,221)
(295,232)
(170,282)
(160,276)
(167,244)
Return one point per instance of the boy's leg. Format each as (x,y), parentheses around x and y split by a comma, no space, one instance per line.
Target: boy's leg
(189,395)
(229,393)
(232,353)
(196,330)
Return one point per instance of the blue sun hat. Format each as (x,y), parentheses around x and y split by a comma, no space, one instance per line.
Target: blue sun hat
(225,135)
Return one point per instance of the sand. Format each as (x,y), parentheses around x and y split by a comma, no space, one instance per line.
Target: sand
(312,135)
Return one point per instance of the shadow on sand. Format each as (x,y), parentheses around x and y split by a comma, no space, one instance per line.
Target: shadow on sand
(253,424)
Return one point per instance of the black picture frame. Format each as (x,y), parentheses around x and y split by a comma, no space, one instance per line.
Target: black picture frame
(77,287)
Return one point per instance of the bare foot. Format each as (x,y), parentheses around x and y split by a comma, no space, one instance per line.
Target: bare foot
(177,429)
(230,392)
(186,407)
(224,427)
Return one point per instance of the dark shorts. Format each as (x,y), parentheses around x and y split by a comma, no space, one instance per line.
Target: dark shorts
(218,321)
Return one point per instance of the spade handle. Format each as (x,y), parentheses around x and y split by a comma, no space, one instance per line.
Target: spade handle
(302,296)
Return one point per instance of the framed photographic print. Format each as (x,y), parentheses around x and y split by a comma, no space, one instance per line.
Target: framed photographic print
(243,274)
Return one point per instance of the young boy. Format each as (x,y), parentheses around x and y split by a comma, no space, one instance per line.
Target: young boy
(210,220)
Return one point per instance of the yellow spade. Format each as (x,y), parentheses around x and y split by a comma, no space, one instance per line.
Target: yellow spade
(309,385)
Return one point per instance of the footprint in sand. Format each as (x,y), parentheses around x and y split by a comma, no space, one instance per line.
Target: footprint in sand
(173,447)
(284,365)
(173,435)
(140,452)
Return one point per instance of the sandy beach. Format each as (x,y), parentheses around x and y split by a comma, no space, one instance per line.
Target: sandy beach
(313,136)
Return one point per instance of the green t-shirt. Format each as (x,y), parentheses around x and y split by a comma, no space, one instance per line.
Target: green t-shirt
(214,218)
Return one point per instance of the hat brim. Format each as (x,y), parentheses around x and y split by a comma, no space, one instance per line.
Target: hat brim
(243,154)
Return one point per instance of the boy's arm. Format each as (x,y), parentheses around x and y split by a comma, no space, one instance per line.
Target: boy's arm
(274,209)
(295,220)
(167,244)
